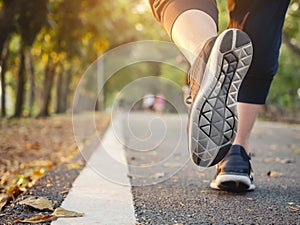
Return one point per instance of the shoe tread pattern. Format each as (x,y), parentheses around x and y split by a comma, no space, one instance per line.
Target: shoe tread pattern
(217,122)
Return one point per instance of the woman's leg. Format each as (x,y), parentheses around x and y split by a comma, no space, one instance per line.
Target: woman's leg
(190,23)
(262,21)
(190,39)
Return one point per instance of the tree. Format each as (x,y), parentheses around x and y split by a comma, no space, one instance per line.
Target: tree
(32,17)
(8,9)
(292,28)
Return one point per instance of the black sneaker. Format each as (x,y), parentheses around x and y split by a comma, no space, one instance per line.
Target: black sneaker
(234,172)
(215,79)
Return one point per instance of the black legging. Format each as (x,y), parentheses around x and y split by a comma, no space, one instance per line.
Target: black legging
(262,20)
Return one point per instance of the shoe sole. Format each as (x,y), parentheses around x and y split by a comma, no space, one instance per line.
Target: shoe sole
(232,183)
(213,118)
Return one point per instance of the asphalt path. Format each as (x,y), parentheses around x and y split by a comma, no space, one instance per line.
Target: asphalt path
(185,197)
(146,177)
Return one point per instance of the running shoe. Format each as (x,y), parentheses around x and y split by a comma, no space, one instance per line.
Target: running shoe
(214,80)
(234,172)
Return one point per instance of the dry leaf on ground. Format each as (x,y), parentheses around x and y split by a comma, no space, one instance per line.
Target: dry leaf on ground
(72,166)
(38,219)
(173,164)
(58,213)
(4,198)
(63,213)
(274,174)
(30,147)
(40,203)
(285,161)
(294,208)
(296,150)
(158,175)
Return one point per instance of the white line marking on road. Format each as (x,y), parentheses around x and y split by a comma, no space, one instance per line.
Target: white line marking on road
(102,201)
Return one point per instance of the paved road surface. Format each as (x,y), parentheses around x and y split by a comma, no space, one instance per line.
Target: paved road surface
(168,189)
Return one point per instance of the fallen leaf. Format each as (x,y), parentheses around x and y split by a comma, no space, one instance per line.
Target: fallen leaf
(274,174)
(173,164)
(63,213)
(13,191)
(148,164)
(201,174)
(151,152)
(40,203)
(73,166)
(212,219)
(33,146)
(296,150)
(21,180)
(180,203)
(284,161)
(273,147)
(42,163)
(131,176)
(175,178)
(294,208)
(267,160)
(158,175)
(3,200)
(38,219)
(39,172)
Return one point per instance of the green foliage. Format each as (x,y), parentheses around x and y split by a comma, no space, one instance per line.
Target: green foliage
(292,21)
(223,14)
(283,93)
(32,17)
(71,34)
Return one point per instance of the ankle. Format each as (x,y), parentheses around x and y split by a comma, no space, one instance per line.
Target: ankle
(244,144)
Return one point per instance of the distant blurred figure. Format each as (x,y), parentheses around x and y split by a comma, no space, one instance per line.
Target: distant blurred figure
(148,102)
(159,104)
(186,92)
(121,104)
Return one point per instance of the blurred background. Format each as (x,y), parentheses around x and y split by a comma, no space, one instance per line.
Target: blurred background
(46,48)
(47,45)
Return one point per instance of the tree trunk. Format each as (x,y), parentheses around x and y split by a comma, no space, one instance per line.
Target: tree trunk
(63,90)
(20,86)
(295,49)
(4,58)
(59,85)
(48,83)
(3,90)
(7,17)
(154,70)
(30,69)
(66,90)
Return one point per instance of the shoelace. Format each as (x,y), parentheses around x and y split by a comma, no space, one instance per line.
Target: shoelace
(205,52)
(189,99)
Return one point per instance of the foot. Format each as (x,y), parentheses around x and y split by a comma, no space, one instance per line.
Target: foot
(234,172)
(215,79)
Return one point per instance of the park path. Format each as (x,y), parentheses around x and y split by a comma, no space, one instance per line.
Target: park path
(142,173)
